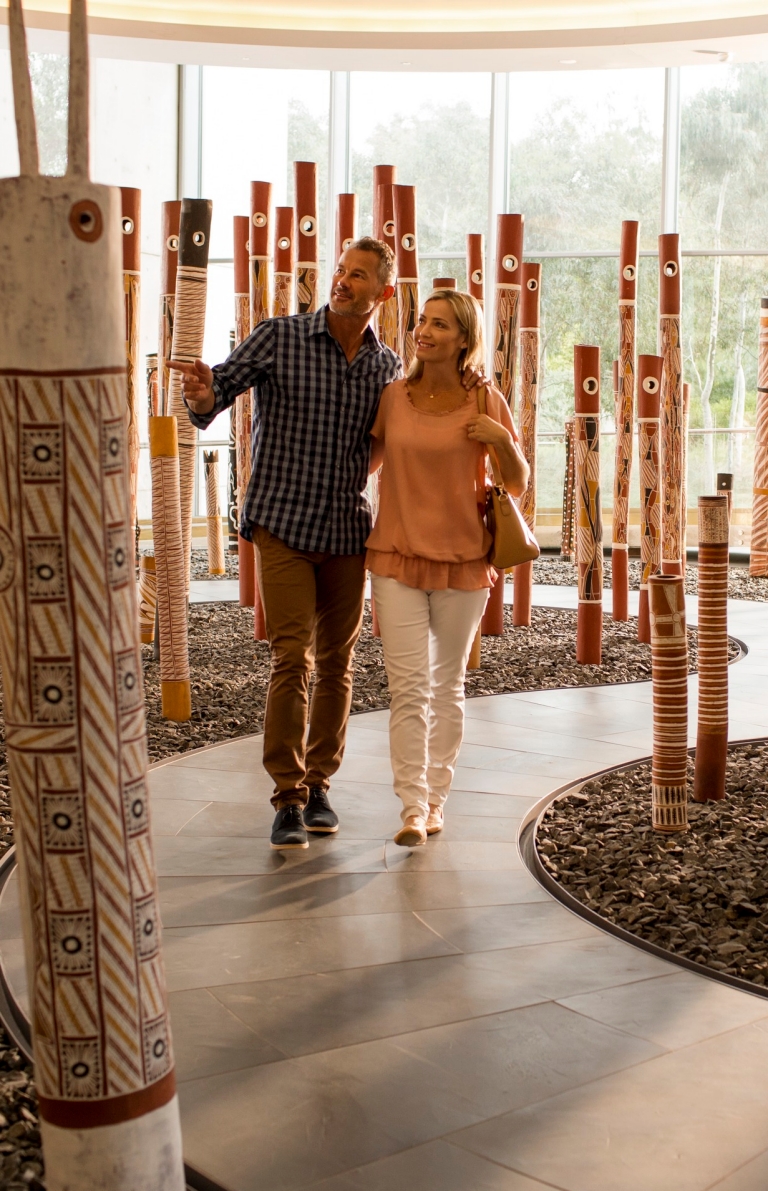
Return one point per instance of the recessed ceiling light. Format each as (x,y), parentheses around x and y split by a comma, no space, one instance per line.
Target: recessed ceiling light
(567,61)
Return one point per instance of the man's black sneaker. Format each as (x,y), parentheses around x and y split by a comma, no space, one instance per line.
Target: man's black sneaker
(319,816)
(288,829)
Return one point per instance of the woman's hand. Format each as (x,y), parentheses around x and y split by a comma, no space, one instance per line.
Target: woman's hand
(196,385)
(484,429)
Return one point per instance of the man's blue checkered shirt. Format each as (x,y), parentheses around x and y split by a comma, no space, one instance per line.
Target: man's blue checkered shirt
(312,416)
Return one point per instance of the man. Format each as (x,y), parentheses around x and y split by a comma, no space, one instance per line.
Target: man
(316,380)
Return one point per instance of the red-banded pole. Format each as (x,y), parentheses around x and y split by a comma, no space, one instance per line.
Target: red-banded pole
(712,735)
(669,662)
(346,222)
(384,180)
(649,377)
(213,514)
(307,239)
(131,225)
(285,262)
(169,259)
(672,413)
(528,427)
(758,554)
(476,266)
(443,283)
(589,522)
(243,404)
(509,261)
(625,407)
(75,729)
(407,256)
(261,309)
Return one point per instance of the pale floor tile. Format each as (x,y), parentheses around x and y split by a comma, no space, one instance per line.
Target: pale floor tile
(188,855)
(242,754)
(209,785)
(460,857)
(208,1039)
(436,1166)
(170,815)
(753,1176)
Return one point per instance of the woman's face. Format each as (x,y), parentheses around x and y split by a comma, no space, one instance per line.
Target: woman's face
(437,335)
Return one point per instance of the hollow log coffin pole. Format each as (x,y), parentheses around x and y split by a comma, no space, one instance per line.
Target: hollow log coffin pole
(307,239)
(243,404)
(712,731)
(131,225)
(153,388)
(407,256)
(649,377)
(589,524)
(567,533)
(476,266)
(724,484)
(527,427)
(285,263)
(669,662)
(625,410)
(215,534)
(672,413)
(346,222)
(443,283)
(169,260)
(147,598)
(684,474)
(187,346)
(384,180)
(509,260)
(171,595)
(71,669)
(758,555)
(261,238)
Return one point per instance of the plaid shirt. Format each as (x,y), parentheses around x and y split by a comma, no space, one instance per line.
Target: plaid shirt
(312,416)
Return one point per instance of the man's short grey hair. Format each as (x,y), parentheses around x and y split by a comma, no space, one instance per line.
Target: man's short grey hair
(386,270)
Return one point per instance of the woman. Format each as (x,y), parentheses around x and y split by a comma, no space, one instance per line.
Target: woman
(428,550)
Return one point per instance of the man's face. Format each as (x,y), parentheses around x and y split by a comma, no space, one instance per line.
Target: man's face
(356,288)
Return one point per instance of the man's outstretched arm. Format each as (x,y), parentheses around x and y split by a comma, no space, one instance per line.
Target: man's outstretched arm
(207,392)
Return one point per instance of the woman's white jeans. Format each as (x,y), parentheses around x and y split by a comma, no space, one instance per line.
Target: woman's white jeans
(427,636)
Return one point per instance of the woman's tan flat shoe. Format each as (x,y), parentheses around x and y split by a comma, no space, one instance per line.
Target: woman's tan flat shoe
(413,833)
(435,820)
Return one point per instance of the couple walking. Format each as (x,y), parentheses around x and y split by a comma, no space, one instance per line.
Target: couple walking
(331,405)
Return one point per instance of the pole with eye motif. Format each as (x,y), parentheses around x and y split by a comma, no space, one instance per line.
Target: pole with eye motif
(589,522)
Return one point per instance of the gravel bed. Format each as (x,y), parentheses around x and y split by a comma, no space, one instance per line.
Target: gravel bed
(556,572)
(702,894)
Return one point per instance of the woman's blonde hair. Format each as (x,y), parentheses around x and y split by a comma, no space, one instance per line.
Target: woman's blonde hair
(469,316)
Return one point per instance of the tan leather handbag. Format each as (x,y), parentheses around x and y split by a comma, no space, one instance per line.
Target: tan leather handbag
(513,541)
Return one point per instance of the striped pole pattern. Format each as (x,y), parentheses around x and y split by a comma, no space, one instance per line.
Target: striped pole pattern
(529,418)
(170,560)
(308,263)
(147,598)
(384,180)
(213,514)
(758,556)
(672,411)
(669,661)
(509,259)
(567,535)
(169,259)
(712,734)
(407,256)
(589,521)
(243,406)
(649,376)
(628,262)
(232,527)
(285,264)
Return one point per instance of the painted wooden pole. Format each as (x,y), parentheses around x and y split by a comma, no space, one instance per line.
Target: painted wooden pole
(232,526)
(443,283)
(147,598)
(724,484)
(187,346)
(215,530)
(473,662)
(492,622)
(175,690)
(406,252)
(509,261)
(285,263)
(307,250)
(131,225)
(243,405)
(669,662)
(71,670)
(670,298)
(758,553)
(153,386)
(261,241)
(169,260)
(528,427)
(684,474)
(346,222)
(649,378)
(712,733)
(567,537)
(384,180)
(589,522)
(628,263)
(476,266)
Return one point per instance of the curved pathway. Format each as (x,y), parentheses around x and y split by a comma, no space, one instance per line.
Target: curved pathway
(360,1016)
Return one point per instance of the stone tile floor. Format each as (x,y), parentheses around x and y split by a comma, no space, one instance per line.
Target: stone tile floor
(360,1016)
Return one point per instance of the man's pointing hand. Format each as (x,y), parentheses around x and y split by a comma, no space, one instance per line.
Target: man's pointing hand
(196,385)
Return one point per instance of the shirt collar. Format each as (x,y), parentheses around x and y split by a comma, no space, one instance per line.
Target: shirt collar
(318,325)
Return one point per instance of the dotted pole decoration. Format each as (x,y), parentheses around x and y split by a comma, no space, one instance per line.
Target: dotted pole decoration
(672,410)
(567,541)
(712,735)
(649,376)
(669,661)
(589,521)
(625,408)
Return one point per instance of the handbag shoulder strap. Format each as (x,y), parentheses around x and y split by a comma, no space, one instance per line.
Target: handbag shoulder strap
(481,405)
